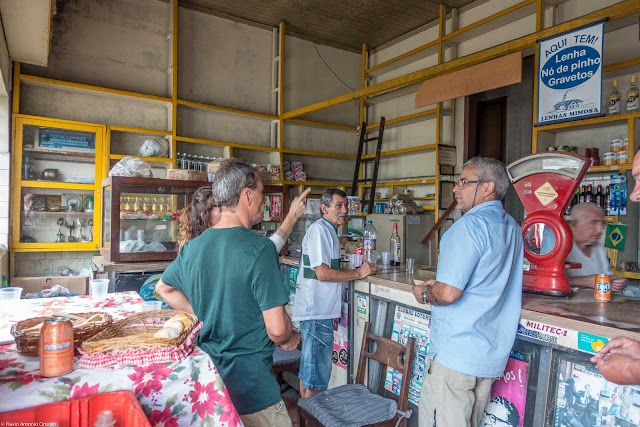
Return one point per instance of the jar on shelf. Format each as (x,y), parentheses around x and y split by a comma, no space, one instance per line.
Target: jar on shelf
(609,158)
(622,157)
(616,145)
(625,144)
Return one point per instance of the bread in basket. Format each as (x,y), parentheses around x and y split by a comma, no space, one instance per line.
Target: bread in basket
(132,340)
(85,325)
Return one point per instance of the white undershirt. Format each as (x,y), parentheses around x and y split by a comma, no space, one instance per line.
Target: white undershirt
(597,263)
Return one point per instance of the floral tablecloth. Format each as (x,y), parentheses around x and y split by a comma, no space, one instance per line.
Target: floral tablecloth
(171,394)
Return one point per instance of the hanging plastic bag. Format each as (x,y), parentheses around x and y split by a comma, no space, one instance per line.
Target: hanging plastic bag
(132,167)
(154,148)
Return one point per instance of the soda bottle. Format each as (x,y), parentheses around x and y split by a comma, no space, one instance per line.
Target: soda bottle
(394,245)
(369,242)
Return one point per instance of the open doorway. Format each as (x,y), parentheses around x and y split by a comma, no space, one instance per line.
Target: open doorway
(486,128)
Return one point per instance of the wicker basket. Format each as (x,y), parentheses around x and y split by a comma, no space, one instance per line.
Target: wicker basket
(28,336)
(136,333)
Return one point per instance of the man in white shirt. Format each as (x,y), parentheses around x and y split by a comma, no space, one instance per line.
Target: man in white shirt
(319,291)
(587,223)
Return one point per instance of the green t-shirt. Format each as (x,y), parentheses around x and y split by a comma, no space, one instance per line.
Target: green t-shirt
(231,276)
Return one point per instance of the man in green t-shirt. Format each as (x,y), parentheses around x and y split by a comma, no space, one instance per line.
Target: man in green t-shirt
(229,277)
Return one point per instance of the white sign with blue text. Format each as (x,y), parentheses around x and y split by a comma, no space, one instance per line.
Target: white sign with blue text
(570,75)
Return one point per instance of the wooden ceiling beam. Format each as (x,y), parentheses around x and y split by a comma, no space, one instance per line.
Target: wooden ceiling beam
(616,11)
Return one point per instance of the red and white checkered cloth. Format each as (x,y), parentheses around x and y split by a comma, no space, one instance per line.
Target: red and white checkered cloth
(141,357)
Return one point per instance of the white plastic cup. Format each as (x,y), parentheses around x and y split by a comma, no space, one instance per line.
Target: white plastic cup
(410,264)
(10,293)
(358,260)
(151,305)
(386,258)
(98,288)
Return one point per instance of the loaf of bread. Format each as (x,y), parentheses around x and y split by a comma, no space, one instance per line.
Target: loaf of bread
(173,327)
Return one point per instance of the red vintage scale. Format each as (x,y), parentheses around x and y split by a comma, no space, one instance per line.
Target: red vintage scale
(546,183)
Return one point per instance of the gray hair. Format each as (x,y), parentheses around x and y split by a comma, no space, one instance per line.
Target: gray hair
(578,211)
(231,178)
(491,170)
(327,196)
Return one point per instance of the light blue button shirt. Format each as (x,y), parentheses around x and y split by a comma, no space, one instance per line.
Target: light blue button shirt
(481,254)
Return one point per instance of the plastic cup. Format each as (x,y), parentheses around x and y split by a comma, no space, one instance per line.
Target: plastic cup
(98,288)
(10,293)
(358,260)
(386,258)
(410,264)
(151,305)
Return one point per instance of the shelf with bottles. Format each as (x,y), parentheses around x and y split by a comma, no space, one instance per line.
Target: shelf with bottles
(140,217)
(610,193)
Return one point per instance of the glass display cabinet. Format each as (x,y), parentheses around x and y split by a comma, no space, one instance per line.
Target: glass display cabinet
(55,199)
(141,216)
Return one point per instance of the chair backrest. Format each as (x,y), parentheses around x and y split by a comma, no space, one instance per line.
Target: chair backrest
(389,353)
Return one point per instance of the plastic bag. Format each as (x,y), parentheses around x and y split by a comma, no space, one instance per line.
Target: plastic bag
(154,148)
(131,166)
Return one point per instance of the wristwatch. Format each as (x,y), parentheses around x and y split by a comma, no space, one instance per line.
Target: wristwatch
(424,296)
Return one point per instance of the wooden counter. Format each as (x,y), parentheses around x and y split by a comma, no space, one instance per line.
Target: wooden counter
(541,315)
(103,265)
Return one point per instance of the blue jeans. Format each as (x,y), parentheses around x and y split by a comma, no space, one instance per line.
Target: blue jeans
(317,346)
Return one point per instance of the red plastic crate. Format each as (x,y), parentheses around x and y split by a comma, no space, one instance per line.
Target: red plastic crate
(83,412)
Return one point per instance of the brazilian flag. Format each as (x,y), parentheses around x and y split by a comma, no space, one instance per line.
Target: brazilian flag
(615,236)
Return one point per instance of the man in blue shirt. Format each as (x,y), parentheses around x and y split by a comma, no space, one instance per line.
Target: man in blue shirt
(475,300)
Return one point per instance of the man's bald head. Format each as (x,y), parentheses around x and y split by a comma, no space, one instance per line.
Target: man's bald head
(587,223)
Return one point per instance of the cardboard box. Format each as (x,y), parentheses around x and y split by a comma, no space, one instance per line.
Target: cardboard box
(187,175)
(75,284)
(213,166)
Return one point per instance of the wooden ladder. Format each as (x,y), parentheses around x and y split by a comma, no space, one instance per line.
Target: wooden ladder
(360,160)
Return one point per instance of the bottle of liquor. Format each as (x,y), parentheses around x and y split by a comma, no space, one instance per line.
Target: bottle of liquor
(633,103)
(369,234)
(589,195)
(614,99)
(599,197)
(583,194)
(607,201)
(394,246)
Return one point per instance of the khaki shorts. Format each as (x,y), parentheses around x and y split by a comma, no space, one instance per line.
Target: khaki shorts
(451,399)
(276,416)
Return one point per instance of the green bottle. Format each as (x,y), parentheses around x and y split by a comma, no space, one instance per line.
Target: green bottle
(4,282)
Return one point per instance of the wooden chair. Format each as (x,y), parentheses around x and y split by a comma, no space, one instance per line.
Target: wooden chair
(284,361)
(389,353)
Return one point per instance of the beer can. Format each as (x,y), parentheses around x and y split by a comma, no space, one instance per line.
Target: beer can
(602,289)
(56,347)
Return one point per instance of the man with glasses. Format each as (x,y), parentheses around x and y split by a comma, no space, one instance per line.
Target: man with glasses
(475,300)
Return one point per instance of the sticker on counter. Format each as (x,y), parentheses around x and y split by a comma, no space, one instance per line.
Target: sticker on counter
(528,192)
(546,193)
(509,395)
(590,343)
(413,219)
(409,323)
(362,304)
(526,184)
(340,354)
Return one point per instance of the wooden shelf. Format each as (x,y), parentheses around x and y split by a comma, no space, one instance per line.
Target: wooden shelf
(587,123)
(409,57)
(221,109)
(146,159)
(226,144)
(613,169)
(61,155)
(492,22)
(58,185)
(140,130)
(392,94)
(413,181)
(61,213)
(83,88)
(312,123)
(628,274)
(319,183)
(401,151)
(406,120)
(318,154)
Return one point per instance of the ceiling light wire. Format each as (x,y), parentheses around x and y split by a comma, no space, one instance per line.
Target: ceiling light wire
(316,48)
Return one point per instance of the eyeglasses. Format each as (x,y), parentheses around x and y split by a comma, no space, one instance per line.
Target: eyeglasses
(493,418)
(461,183)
